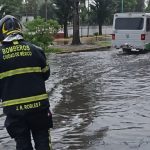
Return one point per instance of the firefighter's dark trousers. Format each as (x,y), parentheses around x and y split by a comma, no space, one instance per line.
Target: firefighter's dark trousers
(38,125)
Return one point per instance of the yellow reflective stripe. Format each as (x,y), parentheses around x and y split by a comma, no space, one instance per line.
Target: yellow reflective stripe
(19,71)
(15,42)
(3,29)
(14,31)
(45,69)
(25,100)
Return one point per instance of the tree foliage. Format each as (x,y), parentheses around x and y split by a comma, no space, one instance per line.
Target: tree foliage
(31,7)
(148,6)
(83,12)
(140,5)
(51,14)
(100,11)
(12,7)
(128,5)
(64,13)
(40,32)
(69,11)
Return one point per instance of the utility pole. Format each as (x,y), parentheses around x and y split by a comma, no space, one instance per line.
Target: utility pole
(88,19)
(26,6)
(46,10)
(122,6)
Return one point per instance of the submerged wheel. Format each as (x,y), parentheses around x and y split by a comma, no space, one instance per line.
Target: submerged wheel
(126,50)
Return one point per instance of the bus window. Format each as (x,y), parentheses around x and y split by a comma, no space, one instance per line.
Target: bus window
(129,23)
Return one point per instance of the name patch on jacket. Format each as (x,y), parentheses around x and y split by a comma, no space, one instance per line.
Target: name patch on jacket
(28,106)
(16,51)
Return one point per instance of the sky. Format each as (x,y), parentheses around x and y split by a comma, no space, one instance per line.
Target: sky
(146,2)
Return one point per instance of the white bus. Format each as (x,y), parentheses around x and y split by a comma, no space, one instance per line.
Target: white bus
(131,31)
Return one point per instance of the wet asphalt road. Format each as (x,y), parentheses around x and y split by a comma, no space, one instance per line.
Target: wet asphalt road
(100,101)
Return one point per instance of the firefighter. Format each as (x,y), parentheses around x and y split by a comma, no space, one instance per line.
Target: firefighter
(23,71)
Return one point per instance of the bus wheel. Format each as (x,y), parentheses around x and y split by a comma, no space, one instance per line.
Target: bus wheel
(126,50)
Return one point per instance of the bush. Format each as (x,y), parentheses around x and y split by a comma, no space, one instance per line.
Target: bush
(52,50)
(96,34)
(40,32)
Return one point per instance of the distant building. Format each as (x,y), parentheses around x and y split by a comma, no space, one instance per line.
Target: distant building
(24,19)
(30,16)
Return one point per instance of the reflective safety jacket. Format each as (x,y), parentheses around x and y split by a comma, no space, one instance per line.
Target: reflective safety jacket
(23,71)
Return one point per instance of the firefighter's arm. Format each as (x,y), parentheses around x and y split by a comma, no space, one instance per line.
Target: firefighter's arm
(44,66)
(46,71)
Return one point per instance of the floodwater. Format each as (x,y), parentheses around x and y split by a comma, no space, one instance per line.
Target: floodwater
(100,101)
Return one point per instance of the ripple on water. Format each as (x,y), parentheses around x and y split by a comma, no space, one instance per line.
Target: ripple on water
(100,101)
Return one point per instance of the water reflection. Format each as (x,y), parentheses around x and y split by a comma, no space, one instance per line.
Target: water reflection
(101,95)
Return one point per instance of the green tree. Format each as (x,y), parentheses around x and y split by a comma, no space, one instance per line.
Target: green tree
(100,11)
(148,6)
(140,6)
(76,36)
(40,32)
(64,13)
(50,11)
(11,7)
(128,5)
(83,12)
(31,7)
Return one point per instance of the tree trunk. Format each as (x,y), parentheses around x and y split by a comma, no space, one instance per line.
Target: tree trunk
(65,29)
(140,6)
(46,10)
(76,35)
(100,29)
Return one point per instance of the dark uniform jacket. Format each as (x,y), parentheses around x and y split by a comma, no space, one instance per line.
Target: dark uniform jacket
(23,71)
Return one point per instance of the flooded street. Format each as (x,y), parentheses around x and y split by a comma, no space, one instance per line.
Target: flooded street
(100,101)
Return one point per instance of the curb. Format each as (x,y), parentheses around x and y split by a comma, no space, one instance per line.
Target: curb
(85,50)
